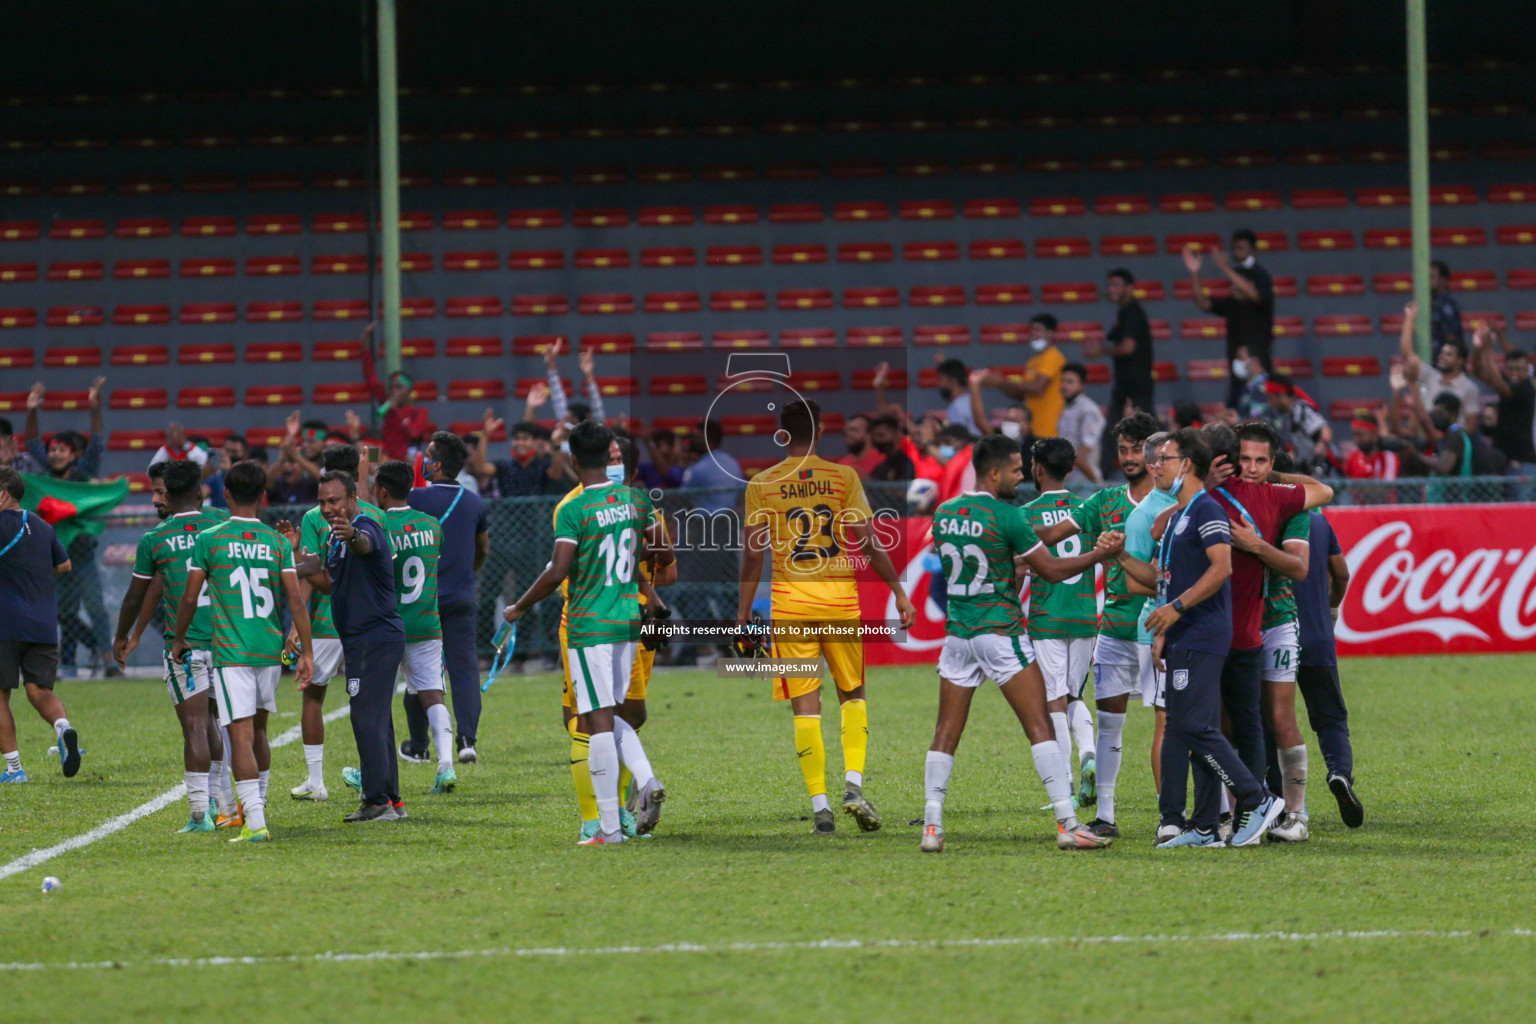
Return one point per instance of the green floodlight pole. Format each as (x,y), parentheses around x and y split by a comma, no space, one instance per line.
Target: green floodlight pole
(1418,171)
(389,183)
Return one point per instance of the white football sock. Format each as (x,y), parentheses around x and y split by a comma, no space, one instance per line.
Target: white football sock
(59,727)
(1081,721)
(314,760)
(13,761)
(936,771)
(251,801)
(1293,777)
(441,725)
(1063,741)
(1058,785)
(264,778)
(819,802)
(227,777)
(632,753)
(1106,756)
(197,794)
(216,782)
(603,764)
(853,778)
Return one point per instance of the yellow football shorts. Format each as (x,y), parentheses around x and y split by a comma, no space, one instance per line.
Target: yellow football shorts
(845,660)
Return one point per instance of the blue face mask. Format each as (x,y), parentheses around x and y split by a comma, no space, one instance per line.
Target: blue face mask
(946,452)
(616,474)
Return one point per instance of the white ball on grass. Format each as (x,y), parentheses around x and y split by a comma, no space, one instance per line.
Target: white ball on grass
(50,884)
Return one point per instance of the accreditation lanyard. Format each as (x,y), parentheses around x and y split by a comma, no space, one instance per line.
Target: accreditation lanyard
(1239,506)
(451,506)
(21,531)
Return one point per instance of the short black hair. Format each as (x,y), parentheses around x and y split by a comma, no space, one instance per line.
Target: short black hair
(344,457)
(1221,440)
(534,430)
(1186,414)
(631,453)
(1192,446)
(992,451)
(661,435)
(255,454)
(238,439)
(1449,402)
(395,479)
(6,430)
(340,476)
(1283,462)
(1137,427)
(11,482)
(1044,320)
(714,434)
(183,478)
(885,419)
(1246,235)
(1124,275)
(245,482)
(580,411)
(320,425)
(801,419)
(858,416)
(1077,368)
(1282,380)
(73,438)
(590,441)
(451,452)
(156,470)
(1442,266)
(954,368)
(1055,455)
(1514,353)
(956,432)
(1258,430)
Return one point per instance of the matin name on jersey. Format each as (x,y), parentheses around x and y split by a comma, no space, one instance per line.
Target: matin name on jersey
(805,489)
(241,549)
(413,539)
(607,515)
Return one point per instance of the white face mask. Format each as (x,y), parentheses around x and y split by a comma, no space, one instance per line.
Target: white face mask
(1038,344)
(616,473)
(946,452)
(1178,485)
(1011,429)
(1240,369)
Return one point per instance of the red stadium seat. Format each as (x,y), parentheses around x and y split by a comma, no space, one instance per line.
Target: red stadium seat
(672,302)
(738,301)
(733,256)
(1326,240)
(1335,284)
(142,227)
(1341,325)
(610,217)
(540,305)
(340,309)
(617,386)
(791,254)
(471,220)
(1003,295)
(807,337)
(678,384)
(1127,245)
(604,304)
(1206,369)
(1395,283)
(337,351)
(1474,280)
(533,344)
(804,298)
(664,216)
(730,215)
(1057,206)
(1149,291)
(77,230)
(1349,408)
(521,259)
(875,337)
(18,230)
(1163,373)
(1201,241)
(601,259)
(265,437)
(72,355)
(17,316)
(198,354)
(135,440)
(998,249)
(76,270)
(493,389)
(140,355)
(141,315)
(214,267)
(930,251)
(947,334)
(340,394)
(418,348)
(418,308)
(133,270)
(20,273)
(339,223)
(473,347)
(936,295)
(1388,238)
(1271,241)
(1079,331)
(871,298)
(926,209)
(483,259)
(13,401)
(860,211)
(64,316)
(1522,279)
(668,256)
(208,313)
(864,380)
(205,398)
(1046,247)
(1319,198)
(1244,202)
(275,395)
(410,262)
(273,312)
(1452,195)
(1457,238)
(818,380)
(255,352)
(1122,204)
(1004,334)
(15,358)
(1186,202)
(1069,291)
(65,401)
(1393,196)
(473,305)
(865,252)
(739,340)
(274,224)
(1351,366)
(1524,193)
(519,219)
(1290,327)
(674,341)
(796,213)
(1516,234)
(1202,328)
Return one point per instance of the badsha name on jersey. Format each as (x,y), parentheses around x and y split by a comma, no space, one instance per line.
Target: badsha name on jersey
(608,515)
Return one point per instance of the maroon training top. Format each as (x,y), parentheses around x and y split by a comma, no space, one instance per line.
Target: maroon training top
(1268,507)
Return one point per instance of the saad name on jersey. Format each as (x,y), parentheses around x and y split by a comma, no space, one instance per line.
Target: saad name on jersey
(961,528)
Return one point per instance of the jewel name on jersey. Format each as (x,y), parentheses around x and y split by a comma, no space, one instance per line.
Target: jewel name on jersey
(257,552)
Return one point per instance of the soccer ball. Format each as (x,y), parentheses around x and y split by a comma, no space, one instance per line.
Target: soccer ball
(51,884)
(921,494)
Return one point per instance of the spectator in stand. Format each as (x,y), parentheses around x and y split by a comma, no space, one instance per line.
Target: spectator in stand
(1016,422)
(662,470)
(70,456)
(1444,311)
(716,469)
(235,449)
(1369,460)
(1249,311)
(1516,408)
(1186,414)
(12,457)
(862,455)
(294,479)
(1459,451)
(885,436)
(1447,377)
(1082,423)
(1129,344)
(958,474)
(953,388)
(1040,387)
(1302,429)
(405,425)
(567,412)
(529,471)
(177,447)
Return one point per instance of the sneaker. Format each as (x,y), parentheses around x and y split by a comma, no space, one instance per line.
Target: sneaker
(933,839)
(1224,826)
(589,829)
(234,819)
(69,752)
(648,807)
(1104,829)
(628,824)
(863,812)
(353,777)
(399,806)
(1193,837)
(19,775)
(1079,838)
(308,790)
(610,839)
(446,780)
(213,809)
(1087,784)
(1350,807)
(414,754)
(467,753)
(824,822)
(261,835)
(193,825)
(1291,828)
(1165,833)
(1254,822)
(372,812)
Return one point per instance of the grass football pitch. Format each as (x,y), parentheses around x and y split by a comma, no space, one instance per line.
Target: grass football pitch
(734,910)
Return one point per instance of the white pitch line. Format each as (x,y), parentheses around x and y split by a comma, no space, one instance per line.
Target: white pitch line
(144,810)
(770,947)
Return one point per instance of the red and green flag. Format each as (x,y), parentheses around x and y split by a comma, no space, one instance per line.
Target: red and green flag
(72,507)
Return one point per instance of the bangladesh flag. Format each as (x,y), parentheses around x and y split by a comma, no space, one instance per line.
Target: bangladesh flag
(72,507)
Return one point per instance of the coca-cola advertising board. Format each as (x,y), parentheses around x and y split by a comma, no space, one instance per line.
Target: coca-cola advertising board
(1424,579)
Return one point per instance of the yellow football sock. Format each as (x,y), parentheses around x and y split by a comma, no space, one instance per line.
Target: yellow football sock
(625,778)
(855,736)
(813,753)
(586,799)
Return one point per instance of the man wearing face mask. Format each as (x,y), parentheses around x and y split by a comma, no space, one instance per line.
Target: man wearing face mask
(1082,423)
(1040,388)
(954,450)
(1249,310)
(953,377)
(885,436)
(1017,424)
